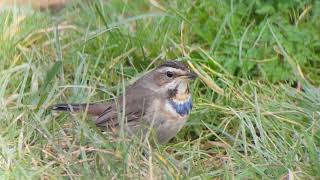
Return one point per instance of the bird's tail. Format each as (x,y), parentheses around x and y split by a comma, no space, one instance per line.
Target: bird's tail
(95,109)
(69,107)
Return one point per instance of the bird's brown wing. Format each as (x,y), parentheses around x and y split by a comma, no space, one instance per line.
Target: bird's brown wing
(136,102)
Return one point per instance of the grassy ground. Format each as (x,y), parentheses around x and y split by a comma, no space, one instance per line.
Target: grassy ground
(257,105)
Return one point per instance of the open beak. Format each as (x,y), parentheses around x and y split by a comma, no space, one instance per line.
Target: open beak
(191,75)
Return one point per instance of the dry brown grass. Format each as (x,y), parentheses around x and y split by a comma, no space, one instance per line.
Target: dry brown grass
(36,4)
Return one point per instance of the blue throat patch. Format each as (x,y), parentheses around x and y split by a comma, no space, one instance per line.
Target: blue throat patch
(182,108)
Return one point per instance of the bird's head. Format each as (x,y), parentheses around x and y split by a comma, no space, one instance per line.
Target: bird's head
(172,78)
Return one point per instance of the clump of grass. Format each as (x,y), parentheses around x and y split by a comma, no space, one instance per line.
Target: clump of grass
(257,102)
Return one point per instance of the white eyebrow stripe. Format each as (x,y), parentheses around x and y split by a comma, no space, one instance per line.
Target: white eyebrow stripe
(165,69)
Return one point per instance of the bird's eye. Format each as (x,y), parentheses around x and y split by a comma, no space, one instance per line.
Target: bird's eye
(169,74)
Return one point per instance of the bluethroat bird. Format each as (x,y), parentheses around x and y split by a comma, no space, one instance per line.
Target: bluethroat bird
(160,100)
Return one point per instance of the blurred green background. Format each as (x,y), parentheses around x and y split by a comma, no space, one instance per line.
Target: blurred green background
(257,104)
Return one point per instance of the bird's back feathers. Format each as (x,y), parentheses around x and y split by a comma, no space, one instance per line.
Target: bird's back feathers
(137,98)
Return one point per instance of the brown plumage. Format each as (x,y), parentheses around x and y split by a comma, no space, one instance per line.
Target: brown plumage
(146,103)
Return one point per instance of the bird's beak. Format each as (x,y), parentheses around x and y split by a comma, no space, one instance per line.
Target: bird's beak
(191,75)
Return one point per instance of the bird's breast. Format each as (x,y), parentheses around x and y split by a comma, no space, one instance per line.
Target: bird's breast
(182,107)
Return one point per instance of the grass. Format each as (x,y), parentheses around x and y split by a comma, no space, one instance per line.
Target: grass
(257,104)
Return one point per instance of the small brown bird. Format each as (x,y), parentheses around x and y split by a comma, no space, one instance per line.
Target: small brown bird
(160,100)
